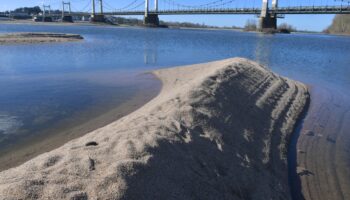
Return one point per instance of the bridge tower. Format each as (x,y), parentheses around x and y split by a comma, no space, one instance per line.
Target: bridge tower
(268,20)
(100,16)
(45,17)
(69,17)
(151,19)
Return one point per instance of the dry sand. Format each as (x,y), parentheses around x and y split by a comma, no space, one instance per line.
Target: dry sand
(216,131)
(323,162)
(32,38)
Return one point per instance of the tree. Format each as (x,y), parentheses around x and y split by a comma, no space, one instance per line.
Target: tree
(286,28)
(29,10)
(340,25)
(250,25)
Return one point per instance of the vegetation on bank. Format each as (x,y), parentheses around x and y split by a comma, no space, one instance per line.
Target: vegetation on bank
(286,28)
(27,10)
(139,22)
(340,25)
(251,25)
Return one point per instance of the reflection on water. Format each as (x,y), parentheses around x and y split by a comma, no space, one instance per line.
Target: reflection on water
(8,124)
(262,50)
(150,51)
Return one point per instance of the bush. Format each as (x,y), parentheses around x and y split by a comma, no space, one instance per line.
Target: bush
(286,28)
(250,25)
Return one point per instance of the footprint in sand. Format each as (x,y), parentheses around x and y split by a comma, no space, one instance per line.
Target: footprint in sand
(331,140)
(92,143)
(309,133)
(304,172)
(301,151)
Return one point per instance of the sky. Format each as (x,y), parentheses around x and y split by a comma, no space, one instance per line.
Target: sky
(301,22)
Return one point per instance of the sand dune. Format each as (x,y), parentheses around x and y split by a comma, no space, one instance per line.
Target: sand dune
(216,131)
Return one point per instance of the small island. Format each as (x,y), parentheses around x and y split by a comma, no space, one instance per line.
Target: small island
(34,38)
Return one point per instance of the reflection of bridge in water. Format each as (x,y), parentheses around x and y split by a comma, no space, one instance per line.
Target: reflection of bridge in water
(268,12)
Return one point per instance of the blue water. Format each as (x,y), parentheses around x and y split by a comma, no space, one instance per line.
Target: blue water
(42,84)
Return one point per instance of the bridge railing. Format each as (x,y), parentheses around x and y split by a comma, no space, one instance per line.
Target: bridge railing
(314,10)
(280,10)
(212,9)
(256,11)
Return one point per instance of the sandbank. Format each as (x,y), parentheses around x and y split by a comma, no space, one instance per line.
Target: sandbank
(217,130)
(34,38)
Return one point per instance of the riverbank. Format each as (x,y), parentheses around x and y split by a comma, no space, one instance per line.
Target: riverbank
(217,130)
(33,38)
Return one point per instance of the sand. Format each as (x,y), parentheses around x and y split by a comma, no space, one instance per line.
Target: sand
(217,130)
(33,38)
(323,146)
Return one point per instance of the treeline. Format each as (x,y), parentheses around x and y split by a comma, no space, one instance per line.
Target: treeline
(32,10)
(252,25)
(340,25)
(28,10)
(186,25)
(127,21)
(139,22)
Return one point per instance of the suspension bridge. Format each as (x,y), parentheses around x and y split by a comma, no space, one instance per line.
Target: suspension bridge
(268,11)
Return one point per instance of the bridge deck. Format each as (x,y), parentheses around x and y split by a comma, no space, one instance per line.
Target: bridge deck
(282,10)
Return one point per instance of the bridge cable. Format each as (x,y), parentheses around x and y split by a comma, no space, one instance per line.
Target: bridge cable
(213,4)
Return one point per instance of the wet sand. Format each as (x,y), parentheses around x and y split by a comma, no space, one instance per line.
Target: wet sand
(323,147)
(55,137)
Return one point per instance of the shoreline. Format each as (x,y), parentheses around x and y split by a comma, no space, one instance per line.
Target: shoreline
(187,121)
(293,179)
(321,147)
(50,139)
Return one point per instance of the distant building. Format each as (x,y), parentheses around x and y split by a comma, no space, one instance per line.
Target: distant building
(85,18)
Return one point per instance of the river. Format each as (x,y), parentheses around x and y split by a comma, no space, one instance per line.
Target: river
(49,87)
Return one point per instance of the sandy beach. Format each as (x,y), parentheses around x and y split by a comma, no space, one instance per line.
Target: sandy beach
(33,38)
(217,130)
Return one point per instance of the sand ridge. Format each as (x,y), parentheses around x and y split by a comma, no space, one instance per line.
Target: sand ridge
(217,130)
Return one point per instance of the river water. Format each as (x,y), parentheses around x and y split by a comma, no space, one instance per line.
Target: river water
(43,85)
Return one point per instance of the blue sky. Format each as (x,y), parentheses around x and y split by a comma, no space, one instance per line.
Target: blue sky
(303,22)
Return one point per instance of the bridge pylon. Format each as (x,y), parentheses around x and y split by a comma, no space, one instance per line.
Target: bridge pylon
(268,20)
(97,17)
(69,17)
(151,19)
(45,17)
